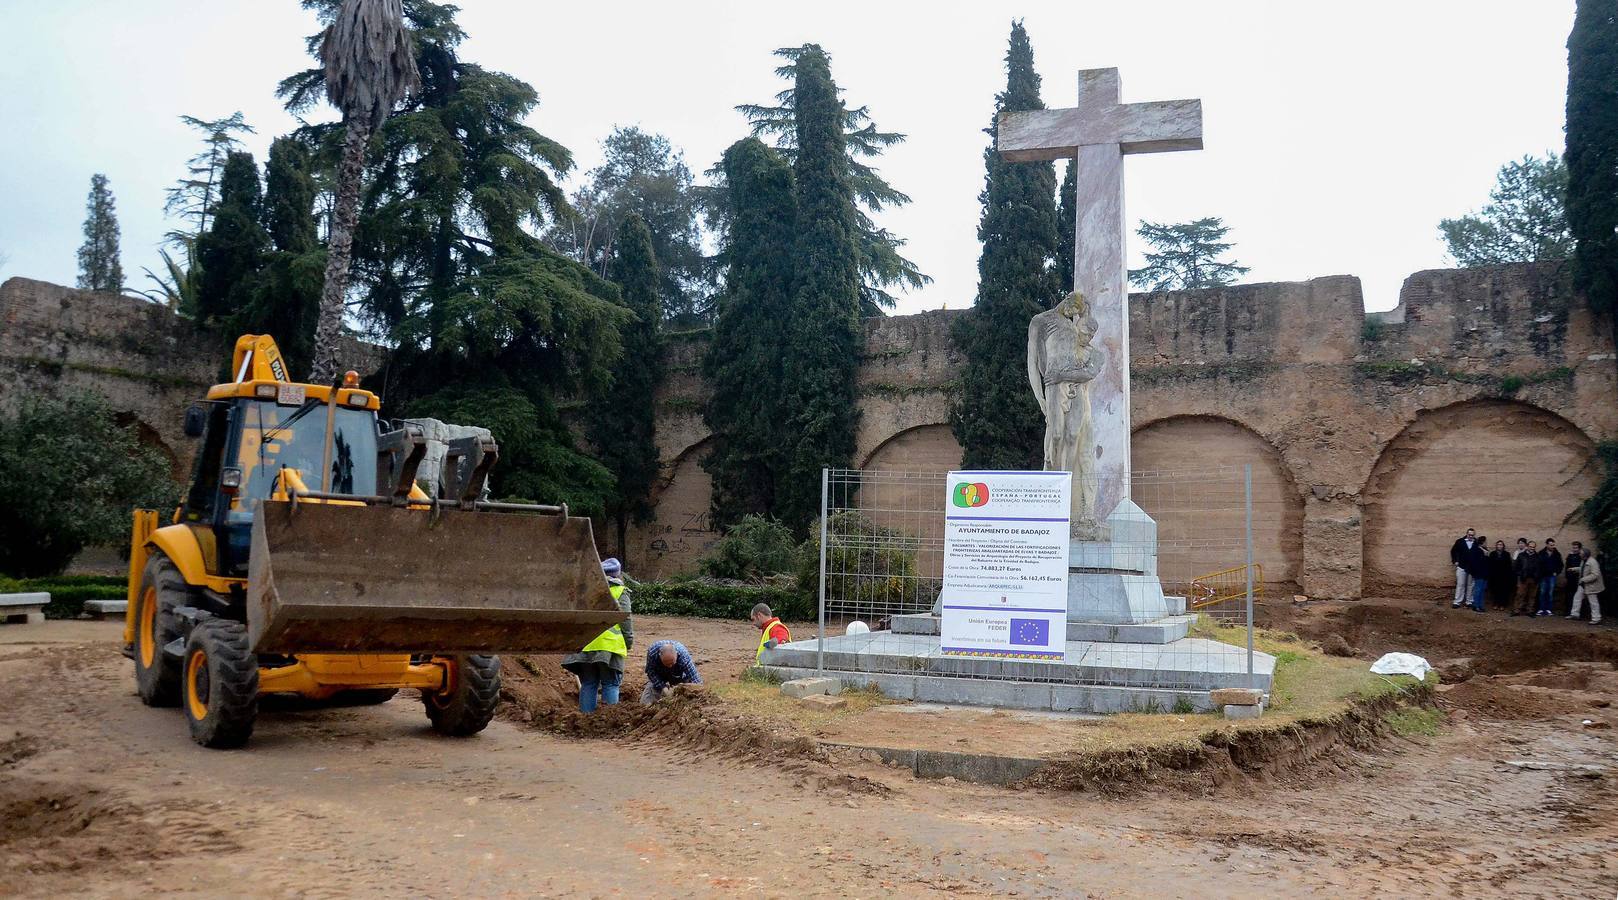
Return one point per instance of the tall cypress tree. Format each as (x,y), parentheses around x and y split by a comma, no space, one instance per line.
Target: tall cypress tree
(622,423)
(823,329)
(881,266)
(1592,151)
(99,267)
(231,252)
(747,407)
(285,297)
(995,416)
(1065,224)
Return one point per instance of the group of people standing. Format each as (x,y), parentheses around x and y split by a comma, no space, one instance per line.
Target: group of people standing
(1526,578)
(599,666)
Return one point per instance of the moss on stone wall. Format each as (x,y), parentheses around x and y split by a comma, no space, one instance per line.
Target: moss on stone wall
(1394,372)
(1236,370)
(55,369)
(899,391)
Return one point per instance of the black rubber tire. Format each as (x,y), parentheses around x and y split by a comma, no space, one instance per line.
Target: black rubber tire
(467,704)
(219,683)
(161,584)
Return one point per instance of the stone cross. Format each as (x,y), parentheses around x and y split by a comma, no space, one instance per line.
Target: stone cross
(1096,134)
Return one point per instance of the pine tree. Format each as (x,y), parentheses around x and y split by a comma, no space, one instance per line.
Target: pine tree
(743,364)
(1066,222)
(193,197)
(642,174)
(1592,152)
(231,252)
(823,330)
(1525,219)
(996,417)
(285,297)
(1186,256)
(99,266)
(623,422)
(881,265)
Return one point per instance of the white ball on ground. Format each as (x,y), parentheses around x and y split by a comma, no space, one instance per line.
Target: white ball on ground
(857,627)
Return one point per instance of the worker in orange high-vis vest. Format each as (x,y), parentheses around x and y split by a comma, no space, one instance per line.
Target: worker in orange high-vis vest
(771,630)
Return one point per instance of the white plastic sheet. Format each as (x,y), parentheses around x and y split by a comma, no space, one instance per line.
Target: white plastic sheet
(1402,664)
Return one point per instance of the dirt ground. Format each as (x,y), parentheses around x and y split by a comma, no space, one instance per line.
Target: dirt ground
(100,796)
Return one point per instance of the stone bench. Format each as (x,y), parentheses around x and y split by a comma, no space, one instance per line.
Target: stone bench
(106,609)
(26,608)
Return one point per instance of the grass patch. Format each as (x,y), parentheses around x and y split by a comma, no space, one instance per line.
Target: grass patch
(1307,682)
(1414,721)
(762,698)
(1308,686)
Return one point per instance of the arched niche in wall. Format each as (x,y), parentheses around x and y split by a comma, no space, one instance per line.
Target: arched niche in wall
(1188,477)
(679,532)
(1507,468)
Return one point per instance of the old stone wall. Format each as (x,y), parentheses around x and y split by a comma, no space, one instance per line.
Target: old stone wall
(147,362)
(1374,439)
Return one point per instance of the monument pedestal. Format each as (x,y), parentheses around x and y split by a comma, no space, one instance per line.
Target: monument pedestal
(1127,648)
(1114,582)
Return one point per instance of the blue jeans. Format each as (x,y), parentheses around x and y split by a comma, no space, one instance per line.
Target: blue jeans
(1480,589)
(1547,592)
(598,677)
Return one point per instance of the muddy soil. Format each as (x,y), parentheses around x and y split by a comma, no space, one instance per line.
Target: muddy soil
(1492,642)
(101,796)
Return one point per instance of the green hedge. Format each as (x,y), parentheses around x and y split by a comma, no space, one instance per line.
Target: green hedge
(68,592)
(711,600)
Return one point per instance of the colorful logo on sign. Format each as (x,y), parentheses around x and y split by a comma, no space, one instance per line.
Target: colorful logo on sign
(970,494)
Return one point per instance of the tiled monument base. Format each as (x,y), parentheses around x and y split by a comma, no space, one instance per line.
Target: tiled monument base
(1095,676)
(1127,648)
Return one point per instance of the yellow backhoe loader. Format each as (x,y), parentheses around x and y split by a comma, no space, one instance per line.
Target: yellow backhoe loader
(307,560)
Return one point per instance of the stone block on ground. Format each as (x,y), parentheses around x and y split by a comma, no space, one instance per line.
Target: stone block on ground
(103,609)
(1244,712)
(824,701)
(806,687)
(1236,697)
(25,608)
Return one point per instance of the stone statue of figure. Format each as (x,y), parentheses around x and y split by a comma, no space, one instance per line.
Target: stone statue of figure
(1061,366)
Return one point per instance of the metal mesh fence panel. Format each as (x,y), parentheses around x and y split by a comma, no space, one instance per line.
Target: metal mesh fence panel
(1167,608)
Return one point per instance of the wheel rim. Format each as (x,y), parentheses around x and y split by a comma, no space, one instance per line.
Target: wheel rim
(147,634)
(196,685)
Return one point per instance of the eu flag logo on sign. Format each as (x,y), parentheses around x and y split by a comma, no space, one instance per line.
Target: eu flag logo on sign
(1030,632)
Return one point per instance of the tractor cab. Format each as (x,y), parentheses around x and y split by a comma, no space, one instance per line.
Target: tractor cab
(257,435)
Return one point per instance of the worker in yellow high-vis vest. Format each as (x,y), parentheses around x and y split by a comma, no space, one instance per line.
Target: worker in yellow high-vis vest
(600,665)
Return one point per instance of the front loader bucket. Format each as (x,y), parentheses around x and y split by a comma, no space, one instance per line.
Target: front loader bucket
(340,577)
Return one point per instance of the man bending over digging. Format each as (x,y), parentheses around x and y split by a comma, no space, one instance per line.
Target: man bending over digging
(668,664)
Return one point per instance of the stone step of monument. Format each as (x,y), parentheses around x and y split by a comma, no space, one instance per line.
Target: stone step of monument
(1003,694)
(1176,605)
(1189,663)
(1162,631)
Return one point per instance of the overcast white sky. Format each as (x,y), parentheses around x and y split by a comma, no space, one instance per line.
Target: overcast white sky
(1337,135)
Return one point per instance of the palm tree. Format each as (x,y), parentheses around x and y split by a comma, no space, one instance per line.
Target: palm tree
(370,66)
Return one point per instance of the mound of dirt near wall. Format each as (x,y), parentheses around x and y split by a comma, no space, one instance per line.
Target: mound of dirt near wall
(1494,643)
(1226,755)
